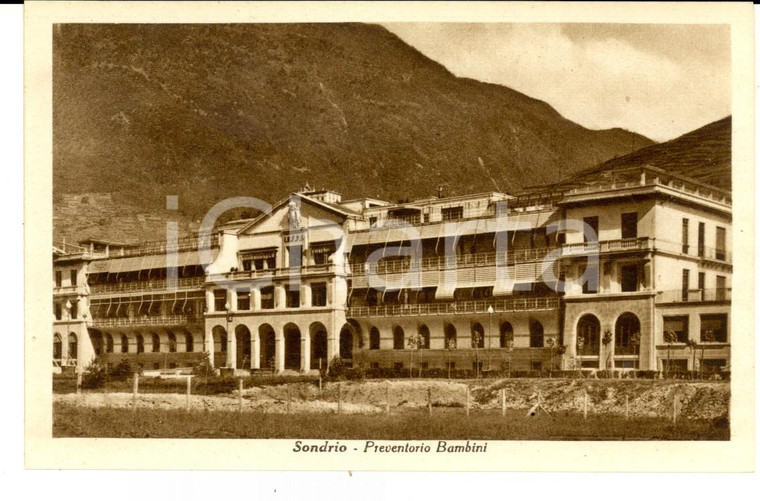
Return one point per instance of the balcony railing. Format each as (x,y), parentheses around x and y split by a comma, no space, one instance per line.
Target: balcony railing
(436,263)
(281,272)
(604,246)
(147,321)
(694,295)
(162,247)
(147,285)
(458,308)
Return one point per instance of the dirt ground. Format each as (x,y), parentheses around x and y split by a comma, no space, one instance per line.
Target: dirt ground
(646,398)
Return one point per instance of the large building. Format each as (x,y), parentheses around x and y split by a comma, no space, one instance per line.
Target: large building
(629,269)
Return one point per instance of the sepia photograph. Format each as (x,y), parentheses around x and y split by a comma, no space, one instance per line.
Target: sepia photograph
(394,237)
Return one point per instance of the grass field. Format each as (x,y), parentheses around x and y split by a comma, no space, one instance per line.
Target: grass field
(451,424)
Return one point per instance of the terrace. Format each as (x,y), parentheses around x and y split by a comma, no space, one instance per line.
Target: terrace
(456,308)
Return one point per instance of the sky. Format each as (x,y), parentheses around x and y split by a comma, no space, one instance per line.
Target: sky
(658,80)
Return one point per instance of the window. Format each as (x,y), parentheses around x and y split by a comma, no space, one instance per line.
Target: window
(124,344)
(372,221)
(267,298)
(451,336)
(295,256)
(720,243)
(590,279)
(701,240)
(506,335)
(678,325)
(685,285)
(73,276)
(536,365)
(140,344)
(629,278)
(398,366)
(627,334)
(109,343)
(591,230)
(720,288)
(713,328)
(629,224)
(374,339)
(293,299)
(701,284)
(260,260)
(424,333)
(477,336)
(536,334)
(714,365)
(319,294)
(57,347)
(74,310)
(587,342)
(243,300)
(73,346)
(398,338)
(452,213)
(189,342)
(58,278)
(156,343)
(220,300)
(451,366)
(172,343)
(322,253)
(57,311)
(685,236)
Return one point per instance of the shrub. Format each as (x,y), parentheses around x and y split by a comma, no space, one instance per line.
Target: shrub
(94,376)
(205,368)
(337,368)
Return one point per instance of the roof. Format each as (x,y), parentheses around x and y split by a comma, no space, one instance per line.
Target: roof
(326,205)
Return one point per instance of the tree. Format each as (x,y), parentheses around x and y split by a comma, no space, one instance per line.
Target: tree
(692,345)
(476,338)
(579,344)
(451,345)
(670,338)
(413,343)
(607,341)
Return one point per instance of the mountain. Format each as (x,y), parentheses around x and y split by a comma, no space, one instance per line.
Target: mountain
(208,112)
(703,154)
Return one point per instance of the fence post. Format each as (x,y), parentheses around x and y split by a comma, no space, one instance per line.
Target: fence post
(626,407)
(503,402)
(675,410)
(340,387)
(388,397)
(79,383)
(135,384)
(467,400)
(430,401)
(189,389)
(240,394)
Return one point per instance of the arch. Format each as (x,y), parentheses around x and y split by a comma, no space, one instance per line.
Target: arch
(346,342)
(155,342)
(626,327)
(189,342)
(588,330)
(124,343)
(73,346)
(267,346)
(450,333)
(96,338)
(374,338)
(424,335)
(57,347)
(140,343)
(398,338)
(536,334)
(477,335)
(292,335)
(173,342)
(356,328)
(219,334)
(506,335)
(318,333)
(243,340)
(109,343)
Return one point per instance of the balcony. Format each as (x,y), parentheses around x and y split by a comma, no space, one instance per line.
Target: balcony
(458,308)
(313,269)
(147,285)
(438,263)
(694,296)
(162,247)
(607,246)
(159,321)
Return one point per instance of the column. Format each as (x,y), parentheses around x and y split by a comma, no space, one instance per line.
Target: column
(210,302)
(255,298)
(231,350)
(305,352)
(255,354)
(279,297)
(279,352)
(208,343)
(332,344)
(305,295)
(232,299)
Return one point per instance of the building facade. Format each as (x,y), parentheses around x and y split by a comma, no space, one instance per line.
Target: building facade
(629,271)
